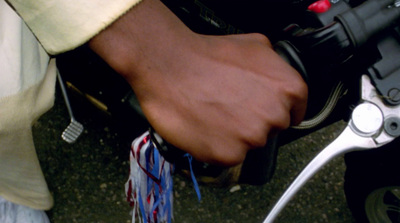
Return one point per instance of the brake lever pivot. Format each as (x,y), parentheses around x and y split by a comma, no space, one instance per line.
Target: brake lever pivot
(372,125)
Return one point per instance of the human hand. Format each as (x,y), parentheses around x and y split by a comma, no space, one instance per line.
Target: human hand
(214,97)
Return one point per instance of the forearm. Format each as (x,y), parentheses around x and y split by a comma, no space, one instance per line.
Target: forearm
(147,32)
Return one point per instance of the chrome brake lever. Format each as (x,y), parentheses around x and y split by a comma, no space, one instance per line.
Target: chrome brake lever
(371,126)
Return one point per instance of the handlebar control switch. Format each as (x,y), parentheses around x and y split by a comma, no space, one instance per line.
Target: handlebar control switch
(320,6)
(367,119)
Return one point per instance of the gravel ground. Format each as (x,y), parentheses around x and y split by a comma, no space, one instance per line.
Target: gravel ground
(87,178)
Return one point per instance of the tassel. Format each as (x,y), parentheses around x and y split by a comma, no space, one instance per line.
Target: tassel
(149,187)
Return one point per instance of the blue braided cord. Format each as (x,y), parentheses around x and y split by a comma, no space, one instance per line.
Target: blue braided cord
(196,186)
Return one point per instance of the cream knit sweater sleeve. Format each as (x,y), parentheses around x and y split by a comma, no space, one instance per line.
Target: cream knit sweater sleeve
(27,80)
(62,25)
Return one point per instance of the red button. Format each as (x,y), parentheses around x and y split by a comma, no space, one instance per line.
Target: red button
(320,6)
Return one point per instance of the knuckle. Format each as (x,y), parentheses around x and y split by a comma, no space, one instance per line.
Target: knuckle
(230,157)
(258,141)
(302,88)
(279,121)
(225,151)
(282,122)
(256,137)
(297,90)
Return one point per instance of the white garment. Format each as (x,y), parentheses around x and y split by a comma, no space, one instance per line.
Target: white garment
(20,54)
(13,213)
(27,80)
(62,25)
